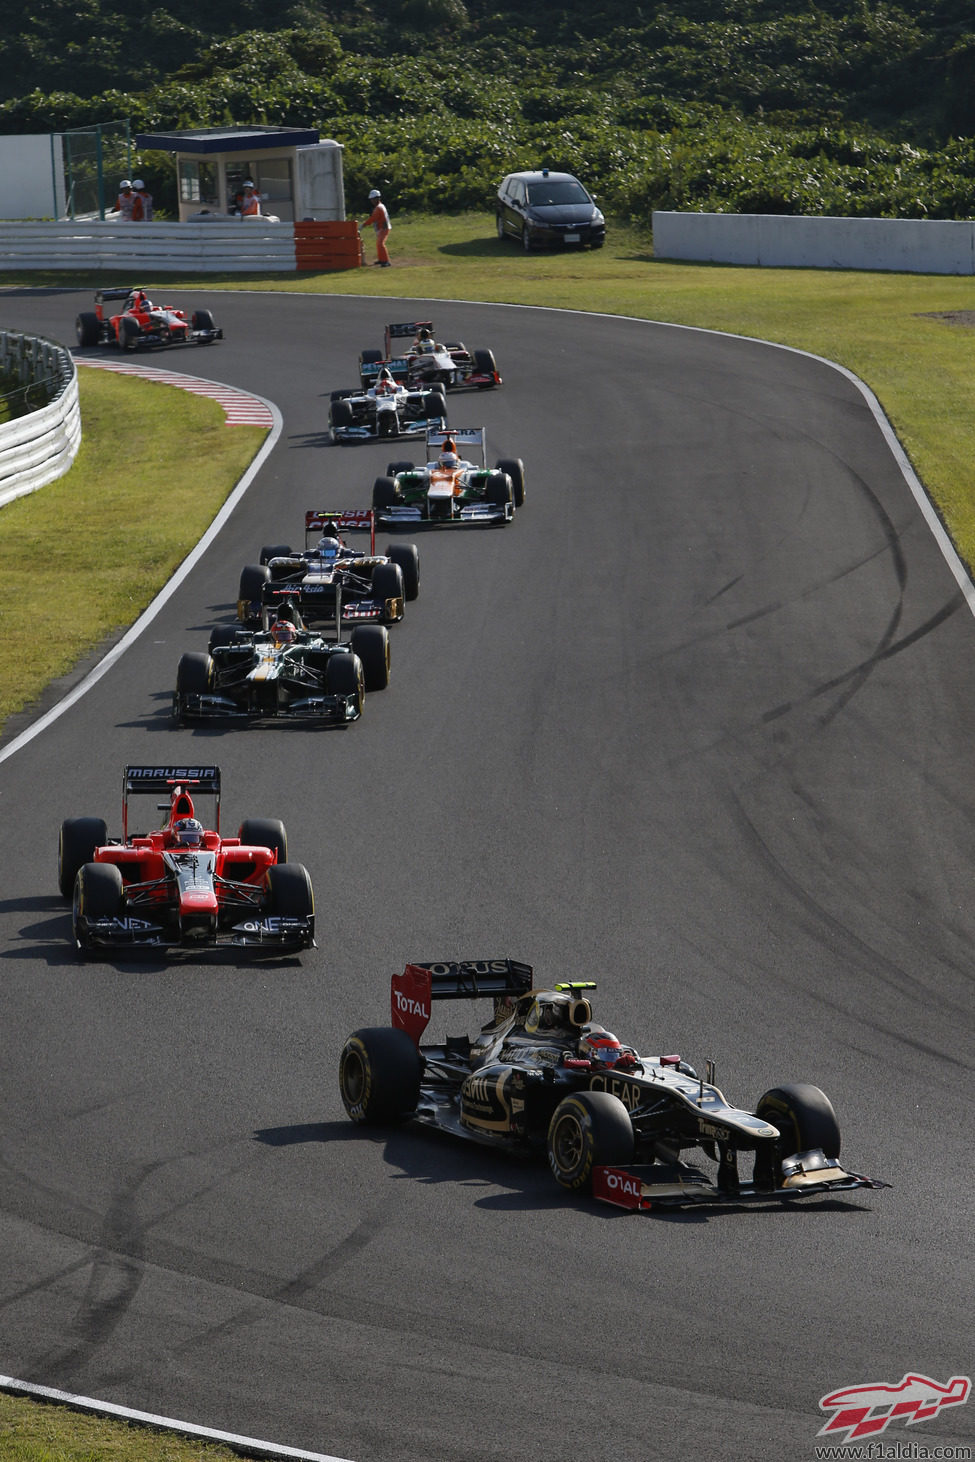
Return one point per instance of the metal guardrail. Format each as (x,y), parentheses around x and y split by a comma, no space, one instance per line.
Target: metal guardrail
(40,446)
(223,246)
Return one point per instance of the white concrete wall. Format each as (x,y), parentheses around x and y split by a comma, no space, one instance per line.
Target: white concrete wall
(30,188)
(904,245)
(221,247)
(319,183)
(37,448)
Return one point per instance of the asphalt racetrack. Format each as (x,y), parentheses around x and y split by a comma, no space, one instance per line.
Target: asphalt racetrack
(698,726)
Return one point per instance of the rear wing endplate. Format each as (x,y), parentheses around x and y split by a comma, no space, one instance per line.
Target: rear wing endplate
(413,992)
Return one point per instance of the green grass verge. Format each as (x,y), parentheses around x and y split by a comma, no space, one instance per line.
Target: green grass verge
(33,1431)
(155,465)
(906,335)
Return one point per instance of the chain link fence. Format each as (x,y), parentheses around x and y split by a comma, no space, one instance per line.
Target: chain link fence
(95,161)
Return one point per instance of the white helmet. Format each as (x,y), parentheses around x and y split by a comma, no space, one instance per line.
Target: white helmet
(125,183)
(374,194)
(138,183)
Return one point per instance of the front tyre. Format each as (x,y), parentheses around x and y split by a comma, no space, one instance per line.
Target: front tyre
(588,1129)
(805,1118)
(98,894)
(379,1075)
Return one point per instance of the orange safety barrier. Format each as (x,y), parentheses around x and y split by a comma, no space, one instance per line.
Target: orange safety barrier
(328,245)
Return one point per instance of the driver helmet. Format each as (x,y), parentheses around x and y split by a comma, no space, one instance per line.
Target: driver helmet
(384,383)
(328,546)
(449,459)
(189,832)
(283,632)
(599,1046)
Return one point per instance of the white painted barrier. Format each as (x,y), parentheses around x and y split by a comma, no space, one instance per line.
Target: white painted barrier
(41,446)
(224,246)
(902,245)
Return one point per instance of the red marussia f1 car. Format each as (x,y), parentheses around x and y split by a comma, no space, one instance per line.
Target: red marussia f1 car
(542,1076)
(183,886)
(141,325)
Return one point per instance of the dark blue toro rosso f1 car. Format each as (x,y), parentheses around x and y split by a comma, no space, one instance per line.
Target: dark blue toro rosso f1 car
(542,1075)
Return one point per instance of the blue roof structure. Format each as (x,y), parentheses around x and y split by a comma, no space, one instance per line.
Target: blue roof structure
(227,139)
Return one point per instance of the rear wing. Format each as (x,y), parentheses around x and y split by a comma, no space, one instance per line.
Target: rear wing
(343,518)
(397,365)
(413,992)
(461,436)
(169,780)
(408,327)
(114,294)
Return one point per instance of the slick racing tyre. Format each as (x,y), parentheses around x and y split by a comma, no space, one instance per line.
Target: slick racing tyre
(395,467)
(289,892)
(203,320)
(408,558)
(265,832)
(129,333)
(484,365)
(194,677)
(80,836)
(387,583)
(274,550)
(88,328)
(805,1118)
(344,675)
(497,490)
(588,1129)
(514,468)
(98,894)
(384,494)
(379,1075)
(340,414)
(370,644)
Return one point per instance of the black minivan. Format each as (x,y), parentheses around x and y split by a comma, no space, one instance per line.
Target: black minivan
(547,209)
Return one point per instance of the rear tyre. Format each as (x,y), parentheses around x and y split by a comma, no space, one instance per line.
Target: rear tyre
(222,636)
(344,675)
(265,832)
(514,468)
(370,644)
(98,894)
(79,838)
(588,1129)
(379,1075)
(274,550)
(395,467)
(407,557)
(87,328)
(805,1118)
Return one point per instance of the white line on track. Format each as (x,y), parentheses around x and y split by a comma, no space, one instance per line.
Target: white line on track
(148,615)
(250,1446)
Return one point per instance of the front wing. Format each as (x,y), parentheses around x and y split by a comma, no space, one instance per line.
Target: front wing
(268,933)
(484,515)
(333,710)
(644,1187)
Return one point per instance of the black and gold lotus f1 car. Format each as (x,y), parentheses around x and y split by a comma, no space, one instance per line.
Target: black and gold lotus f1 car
(542,1075)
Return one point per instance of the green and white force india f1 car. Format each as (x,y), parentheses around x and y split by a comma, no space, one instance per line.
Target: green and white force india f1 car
(450,489)
(541,1075)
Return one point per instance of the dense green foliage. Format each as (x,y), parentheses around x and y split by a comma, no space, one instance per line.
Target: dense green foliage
(782,106)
